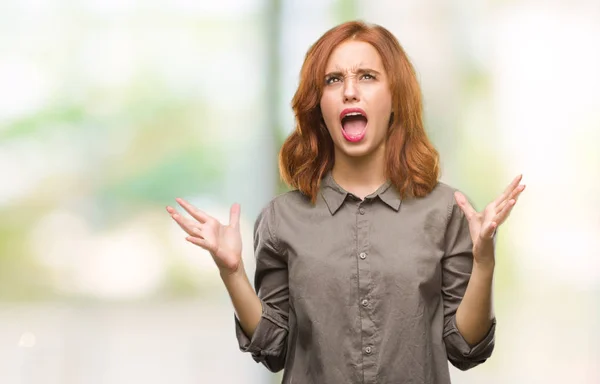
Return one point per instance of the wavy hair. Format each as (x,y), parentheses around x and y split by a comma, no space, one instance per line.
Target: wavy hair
(412,163)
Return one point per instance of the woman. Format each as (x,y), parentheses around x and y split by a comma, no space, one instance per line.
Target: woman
(370,270)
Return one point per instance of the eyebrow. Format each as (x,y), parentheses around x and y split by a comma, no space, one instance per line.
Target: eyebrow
(358,71)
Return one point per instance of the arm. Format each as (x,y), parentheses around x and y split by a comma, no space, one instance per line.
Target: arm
(475,313)
(459,290)
(265,335)
(261,320)
(468,274)
(246,303)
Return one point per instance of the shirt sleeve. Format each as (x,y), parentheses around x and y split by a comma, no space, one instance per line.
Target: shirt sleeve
(456,271)
(269,342)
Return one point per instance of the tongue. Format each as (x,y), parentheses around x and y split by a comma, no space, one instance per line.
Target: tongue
(354,126)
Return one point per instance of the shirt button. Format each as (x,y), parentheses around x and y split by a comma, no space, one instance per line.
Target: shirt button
(368,350)
(361,210)
(363,255)
(365,302)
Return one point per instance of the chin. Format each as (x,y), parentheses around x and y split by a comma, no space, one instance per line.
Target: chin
(357,150)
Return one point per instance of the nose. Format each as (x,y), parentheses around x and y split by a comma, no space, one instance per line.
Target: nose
(350,91)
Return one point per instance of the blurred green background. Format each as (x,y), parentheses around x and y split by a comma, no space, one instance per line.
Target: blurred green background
(111,109)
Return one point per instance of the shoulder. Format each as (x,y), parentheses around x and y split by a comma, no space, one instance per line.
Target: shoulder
(435,209)
(290,198)
(442,191)
(441,197)
(283,203)
(268,222)
(444,194)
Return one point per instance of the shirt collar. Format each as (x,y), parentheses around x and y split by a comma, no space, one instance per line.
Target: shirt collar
(334,195)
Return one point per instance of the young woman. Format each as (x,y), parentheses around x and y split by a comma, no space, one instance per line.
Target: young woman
(370,270)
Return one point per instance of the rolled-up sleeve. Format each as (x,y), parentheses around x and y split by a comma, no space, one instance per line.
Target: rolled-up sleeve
(268,344)
(456,271)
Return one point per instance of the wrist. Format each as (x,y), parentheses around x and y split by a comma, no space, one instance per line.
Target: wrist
(485,266)
(229,273)
(484,254)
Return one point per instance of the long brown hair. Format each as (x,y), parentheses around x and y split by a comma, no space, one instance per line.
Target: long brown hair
(412,163)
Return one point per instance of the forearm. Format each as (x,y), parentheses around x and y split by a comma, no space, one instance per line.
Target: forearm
(475,313)
(246,303)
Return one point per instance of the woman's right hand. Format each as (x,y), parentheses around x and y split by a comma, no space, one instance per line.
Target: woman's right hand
(224,242)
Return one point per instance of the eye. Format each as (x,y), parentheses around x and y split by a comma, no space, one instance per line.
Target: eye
(368,76)
(332,79)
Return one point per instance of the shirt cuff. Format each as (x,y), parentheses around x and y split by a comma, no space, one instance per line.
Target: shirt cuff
(268,338)
(465,356)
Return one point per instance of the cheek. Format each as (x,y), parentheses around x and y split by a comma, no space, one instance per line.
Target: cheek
(328,111)
(384,108)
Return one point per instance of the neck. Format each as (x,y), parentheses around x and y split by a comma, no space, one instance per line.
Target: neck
(360,176)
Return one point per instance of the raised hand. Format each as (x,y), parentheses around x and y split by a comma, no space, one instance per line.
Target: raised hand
(483,225)
(224,242)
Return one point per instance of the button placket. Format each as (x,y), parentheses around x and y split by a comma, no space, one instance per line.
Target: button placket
(364,304)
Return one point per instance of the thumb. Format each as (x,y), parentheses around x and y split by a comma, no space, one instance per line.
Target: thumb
(463,203)
(234,215)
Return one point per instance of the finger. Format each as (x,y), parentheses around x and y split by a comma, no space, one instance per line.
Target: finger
(501,217)
(489,230)
(514,196)
(508,189)
(193,211)
(180,220)
(234,215)
(199,242)
(191,227)
(176,216)
(172,210)
(463,203)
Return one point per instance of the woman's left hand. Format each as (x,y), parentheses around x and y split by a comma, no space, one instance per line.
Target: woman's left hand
(483,225)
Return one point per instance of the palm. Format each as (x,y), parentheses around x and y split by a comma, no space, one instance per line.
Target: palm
(225,245)
(483,225)
(224,242)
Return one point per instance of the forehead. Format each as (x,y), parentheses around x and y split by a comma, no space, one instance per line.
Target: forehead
(353,54)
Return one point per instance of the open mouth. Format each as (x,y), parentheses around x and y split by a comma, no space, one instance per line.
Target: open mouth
(354,124)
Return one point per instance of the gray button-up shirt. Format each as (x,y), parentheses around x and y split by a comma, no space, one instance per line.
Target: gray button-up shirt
(362,291)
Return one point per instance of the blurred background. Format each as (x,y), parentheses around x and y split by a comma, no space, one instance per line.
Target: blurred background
(110,109)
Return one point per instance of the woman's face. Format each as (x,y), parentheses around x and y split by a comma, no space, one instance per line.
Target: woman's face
(356,103)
